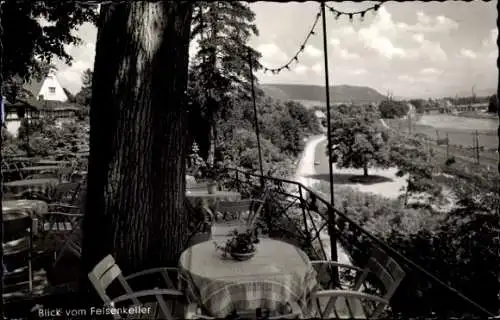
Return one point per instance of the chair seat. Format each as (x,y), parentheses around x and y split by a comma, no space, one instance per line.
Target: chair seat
(345,308)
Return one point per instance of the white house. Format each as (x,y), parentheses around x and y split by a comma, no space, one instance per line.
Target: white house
(46,97)
(48,89)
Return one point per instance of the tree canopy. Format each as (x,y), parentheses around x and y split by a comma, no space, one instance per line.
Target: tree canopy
(357,138)
(390,109)
(84,96)
(35,32)
(220,67)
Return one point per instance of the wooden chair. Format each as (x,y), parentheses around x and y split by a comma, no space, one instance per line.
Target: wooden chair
(61,232)
(107,271)
(240,214)
(17,251)
(355,303)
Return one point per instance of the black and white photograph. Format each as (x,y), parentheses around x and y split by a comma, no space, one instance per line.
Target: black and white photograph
(249,159)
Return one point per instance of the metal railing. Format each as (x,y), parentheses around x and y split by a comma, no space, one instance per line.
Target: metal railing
(294,212)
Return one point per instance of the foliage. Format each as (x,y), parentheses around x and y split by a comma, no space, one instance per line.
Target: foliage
(493,104)
(419,104)
(458,246)
(358,142)
(220,67)
(84,96)
(390,109)
(410,156)
(35,32)
(240,242)
(45,137)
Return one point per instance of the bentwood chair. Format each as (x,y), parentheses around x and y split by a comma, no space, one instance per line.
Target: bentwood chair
(107,272)
(240,214)
(327,303)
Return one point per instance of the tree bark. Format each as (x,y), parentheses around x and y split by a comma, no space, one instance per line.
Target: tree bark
(138,129)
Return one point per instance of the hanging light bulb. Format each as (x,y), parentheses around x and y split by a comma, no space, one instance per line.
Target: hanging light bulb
(296,59)
(287,67)
(362,16)
(350,17)
(376,7)
(337,16)
(331,9)
(312,33)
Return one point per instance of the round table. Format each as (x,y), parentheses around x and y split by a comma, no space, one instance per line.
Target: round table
(18,209)
(40,168)
(46,162)
(210,199)
(36,185)
(279,272)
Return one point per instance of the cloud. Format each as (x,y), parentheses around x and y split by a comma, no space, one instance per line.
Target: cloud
(272,53)
(406,78)
(334,41)
(467,53)
(430,71)
(357,71)
(317,68)
(383,33)
(346,55)
(427,24)
(491,40)
(379,43)
(418,37)
(300,69)
(312,51)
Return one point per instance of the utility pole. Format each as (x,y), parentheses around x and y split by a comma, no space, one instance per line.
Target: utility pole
(447,146)
(477,146)
(331,213)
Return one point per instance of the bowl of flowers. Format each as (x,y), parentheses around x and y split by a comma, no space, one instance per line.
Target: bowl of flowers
(241,246)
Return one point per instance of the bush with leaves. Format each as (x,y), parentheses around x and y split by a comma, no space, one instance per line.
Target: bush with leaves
(458,246)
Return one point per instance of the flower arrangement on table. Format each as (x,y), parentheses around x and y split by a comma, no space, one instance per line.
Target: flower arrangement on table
(241,246)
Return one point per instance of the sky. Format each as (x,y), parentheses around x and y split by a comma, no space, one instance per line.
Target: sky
(411,49)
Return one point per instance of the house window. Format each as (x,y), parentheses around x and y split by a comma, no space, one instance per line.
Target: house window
(52,90)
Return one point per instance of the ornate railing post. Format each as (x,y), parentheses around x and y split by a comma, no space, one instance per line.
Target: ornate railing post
(303,204)
(332,232)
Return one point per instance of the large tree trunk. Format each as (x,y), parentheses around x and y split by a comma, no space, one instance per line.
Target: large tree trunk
(138,130)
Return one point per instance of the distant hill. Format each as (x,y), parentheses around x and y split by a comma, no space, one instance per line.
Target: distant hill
(316,94)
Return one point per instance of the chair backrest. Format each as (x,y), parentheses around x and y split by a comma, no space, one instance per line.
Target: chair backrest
(237,209)
(66,192)
(385,269)
(105,273)
(388,272)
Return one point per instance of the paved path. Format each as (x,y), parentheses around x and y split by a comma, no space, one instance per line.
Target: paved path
(305,168)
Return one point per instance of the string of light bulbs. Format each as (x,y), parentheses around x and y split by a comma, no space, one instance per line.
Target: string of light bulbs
(351,15)
(302,47)
(299,51)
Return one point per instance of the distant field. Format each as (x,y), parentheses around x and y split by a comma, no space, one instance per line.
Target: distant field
(461,131)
